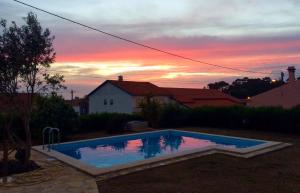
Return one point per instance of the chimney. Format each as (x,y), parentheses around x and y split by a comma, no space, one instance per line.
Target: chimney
(291,70)
(120,78)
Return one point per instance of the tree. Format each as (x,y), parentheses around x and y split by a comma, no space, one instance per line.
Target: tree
(38,53)
(246,87)
(10,67)
(151,110)
(30,52)
(221,85)
(243,88)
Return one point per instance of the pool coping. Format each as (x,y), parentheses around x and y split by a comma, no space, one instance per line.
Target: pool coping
(268,146)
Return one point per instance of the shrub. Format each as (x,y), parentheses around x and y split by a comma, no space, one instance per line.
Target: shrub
(110,122)
(151,109)
(54,112)
(174,116)
(263,118)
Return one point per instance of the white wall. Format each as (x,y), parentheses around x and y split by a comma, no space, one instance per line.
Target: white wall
(122,101)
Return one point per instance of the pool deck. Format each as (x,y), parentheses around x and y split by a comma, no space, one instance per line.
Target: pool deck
(58,176)
(104,173)
(53,177)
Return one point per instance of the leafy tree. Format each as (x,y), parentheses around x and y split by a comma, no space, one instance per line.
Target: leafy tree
(245,87)
(221,85)
(10,67)
(151,110)
(54,83)
(29,50)
(38,55)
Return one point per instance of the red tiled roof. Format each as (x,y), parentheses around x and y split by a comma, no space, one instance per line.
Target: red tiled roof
(189,97)
(136,88)
(192,97)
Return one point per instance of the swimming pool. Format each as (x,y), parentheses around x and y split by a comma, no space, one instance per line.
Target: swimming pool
(119,152)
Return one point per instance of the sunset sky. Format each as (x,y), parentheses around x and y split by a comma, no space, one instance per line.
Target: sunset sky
(256,35)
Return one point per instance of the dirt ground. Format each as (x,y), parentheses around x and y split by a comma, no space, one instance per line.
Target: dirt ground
(275,172)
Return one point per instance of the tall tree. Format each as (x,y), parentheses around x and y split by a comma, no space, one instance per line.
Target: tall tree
(10,68)
(30,52)
(38,53)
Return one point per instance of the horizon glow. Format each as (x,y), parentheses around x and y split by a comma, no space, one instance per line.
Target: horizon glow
(247,34)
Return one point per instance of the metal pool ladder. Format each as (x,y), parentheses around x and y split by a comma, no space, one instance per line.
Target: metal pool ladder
(51,133)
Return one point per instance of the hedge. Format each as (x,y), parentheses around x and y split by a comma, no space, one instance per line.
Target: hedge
(110,122)
(263,118)
(53,112)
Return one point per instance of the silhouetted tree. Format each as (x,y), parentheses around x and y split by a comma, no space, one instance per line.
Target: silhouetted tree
(10,68)
(29,50)
(221,85)
(245,87)
(151,110)
(242,88)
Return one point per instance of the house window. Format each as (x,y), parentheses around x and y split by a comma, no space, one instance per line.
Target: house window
(111,101)
(105,102)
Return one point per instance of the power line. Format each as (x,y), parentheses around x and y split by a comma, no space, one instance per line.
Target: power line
(140,44)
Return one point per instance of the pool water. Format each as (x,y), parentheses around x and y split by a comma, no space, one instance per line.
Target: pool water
(113,151)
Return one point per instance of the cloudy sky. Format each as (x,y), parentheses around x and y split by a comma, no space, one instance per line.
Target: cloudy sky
(257,35)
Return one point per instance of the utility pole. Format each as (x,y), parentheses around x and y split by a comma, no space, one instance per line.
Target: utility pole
(72,95)
(282,76)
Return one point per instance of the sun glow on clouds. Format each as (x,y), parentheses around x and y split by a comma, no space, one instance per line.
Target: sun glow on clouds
(173,75)
(106,68)
(252,35)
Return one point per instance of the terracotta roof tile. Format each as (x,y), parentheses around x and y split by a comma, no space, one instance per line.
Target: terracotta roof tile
(189,97)
(139,88)
(192,97)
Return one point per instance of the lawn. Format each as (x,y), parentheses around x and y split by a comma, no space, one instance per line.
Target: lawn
(275,172)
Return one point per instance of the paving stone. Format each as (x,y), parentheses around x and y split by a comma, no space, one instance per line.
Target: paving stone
(62,179)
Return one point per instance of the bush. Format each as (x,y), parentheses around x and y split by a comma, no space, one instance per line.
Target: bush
(54,112)
(151,109)
(174,116)
(263,118)
(111,122)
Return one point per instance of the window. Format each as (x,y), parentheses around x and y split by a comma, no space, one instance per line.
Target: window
(111,101)
(105,102)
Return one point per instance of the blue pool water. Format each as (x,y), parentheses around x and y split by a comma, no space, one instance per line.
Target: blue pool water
(118,150)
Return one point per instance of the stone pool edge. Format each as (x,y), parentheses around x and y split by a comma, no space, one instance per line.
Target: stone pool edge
(103,173)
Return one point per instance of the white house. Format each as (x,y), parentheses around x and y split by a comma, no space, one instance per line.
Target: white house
(125,96)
